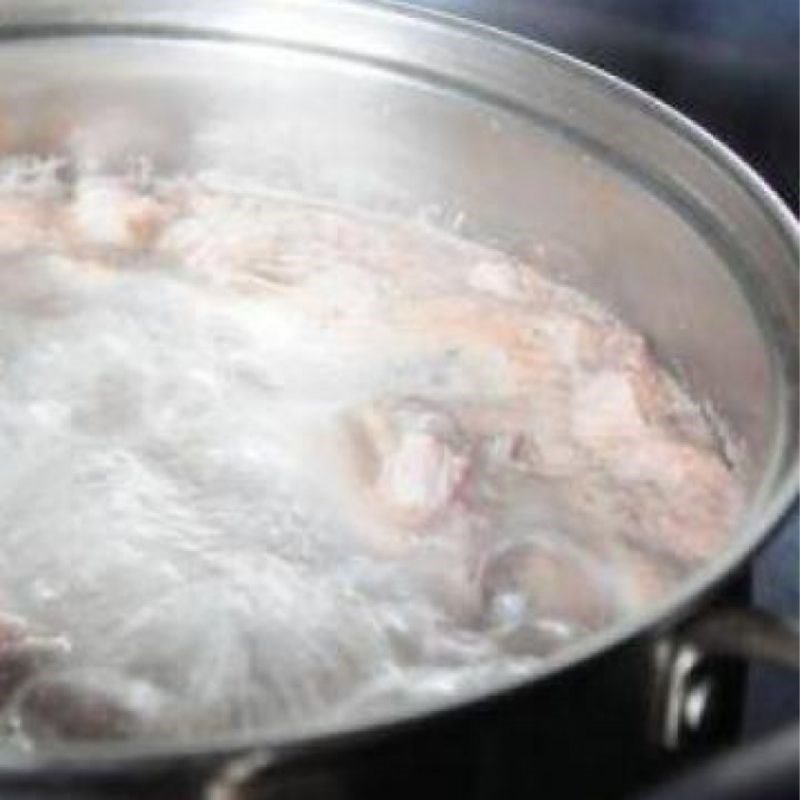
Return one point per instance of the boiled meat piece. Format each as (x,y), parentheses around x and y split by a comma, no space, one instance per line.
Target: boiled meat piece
(541,591)
(105,213)
(86,705)
(23,224)
(412,460)
(24,652)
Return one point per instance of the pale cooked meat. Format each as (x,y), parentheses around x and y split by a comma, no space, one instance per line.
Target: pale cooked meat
(23,224)
(414,459)
(277,464)
(105,213)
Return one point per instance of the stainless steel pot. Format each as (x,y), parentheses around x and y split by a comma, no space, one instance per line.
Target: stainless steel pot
(505,142)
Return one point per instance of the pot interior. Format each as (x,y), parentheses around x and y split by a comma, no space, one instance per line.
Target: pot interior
(500,144)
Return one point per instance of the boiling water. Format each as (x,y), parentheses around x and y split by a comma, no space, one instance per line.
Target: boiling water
(269,464)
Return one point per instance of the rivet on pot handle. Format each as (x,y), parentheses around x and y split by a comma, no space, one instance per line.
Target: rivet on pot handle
(687,664)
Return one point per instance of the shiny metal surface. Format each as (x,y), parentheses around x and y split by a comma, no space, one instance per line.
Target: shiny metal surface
(693,661)
(500,140)
(728,64)
(749,634)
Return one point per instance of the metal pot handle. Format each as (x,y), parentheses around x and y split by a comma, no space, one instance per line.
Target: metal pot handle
(690,663)
(746,633)
(687,663)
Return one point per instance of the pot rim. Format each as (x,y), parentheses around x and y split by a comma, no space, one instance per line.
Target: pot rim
(106,758)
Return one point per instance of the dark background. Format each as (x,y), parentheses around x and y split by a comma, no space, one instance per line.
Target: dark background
(732,66)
